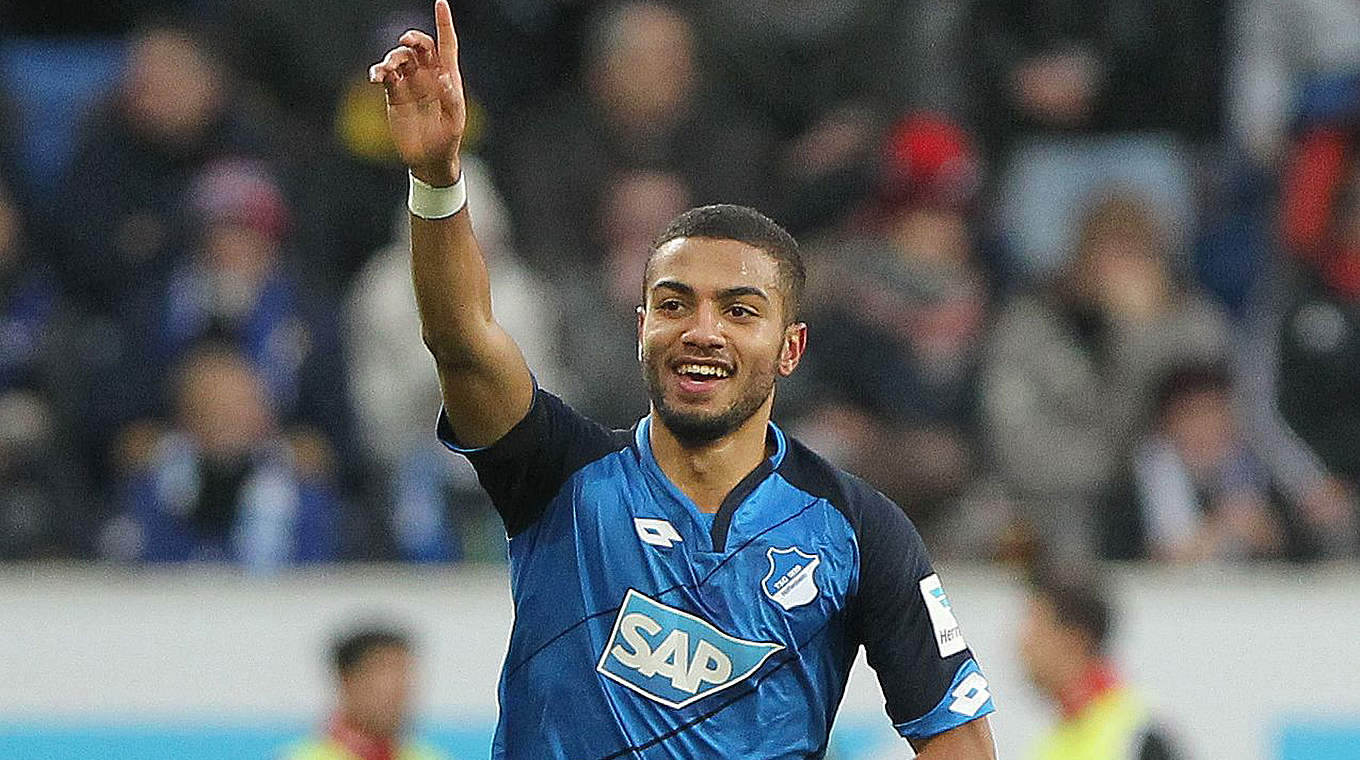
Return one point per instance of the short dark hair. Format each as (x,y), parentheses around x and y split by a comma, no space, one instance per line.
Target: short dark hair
(1079,601)
(1187,380)
(725,221)
(352,647)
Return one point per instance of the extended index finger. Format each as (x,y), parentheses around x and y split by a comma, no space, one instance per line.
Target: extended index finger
(447,40)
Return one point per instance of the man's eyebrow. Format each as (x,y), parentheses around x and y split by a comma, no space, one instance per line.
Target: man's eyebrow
(675,285)
(724,294)
(743,290)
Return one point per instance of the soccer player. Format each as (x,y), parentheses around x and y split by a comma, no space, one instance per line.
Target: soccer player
(699,586)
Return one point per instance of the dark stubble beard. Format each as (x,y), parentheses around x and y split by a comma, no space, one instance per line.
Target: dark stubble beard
(699,428)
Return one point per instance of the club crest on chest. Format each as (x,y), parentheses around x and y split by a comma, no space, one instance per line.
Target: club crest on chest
(792,578)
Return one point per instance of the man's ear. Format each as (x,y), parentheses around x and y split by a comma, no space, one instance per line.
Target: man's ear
(640,313)
(795,343)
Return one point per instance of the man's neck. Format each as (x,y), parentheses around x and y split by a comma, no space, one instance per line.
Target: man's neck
(346,732)
(1094,678)
(708,472)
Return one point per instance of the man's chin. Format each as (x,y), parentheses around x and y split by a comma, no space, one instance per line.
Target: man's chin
(697,426)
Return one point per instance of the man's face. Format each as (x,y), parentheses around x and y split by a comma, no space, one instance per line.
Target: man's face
(713,335)
(1048,648)
(376,694)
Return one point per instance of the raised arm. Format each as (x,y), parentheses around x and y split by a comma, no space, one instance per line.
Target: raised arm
(485,382)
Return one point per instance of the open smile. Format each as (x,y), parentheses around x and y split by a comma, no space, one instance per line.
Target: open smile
(699,377)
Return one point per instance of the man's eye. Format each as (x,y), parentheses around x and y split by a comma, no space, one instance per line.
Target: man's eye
(669,304)
(741,312)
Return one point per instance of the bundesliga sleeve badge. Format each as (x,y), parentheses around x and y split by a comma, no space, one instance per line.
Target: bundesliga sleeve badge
(948,637)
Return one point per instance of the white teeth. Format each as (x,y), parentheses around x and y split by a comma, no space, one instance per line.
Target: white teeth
(702,369)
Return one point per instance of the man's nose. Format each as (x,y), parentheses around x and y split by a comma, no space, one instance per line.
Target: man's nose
(705,329)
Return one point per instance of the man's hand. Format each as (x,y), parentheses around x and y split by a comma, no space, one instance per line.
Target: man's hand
(426,110)
(486,385)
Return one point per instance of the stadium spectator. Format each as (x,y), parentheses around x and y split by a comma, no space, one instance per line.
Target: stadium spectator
(350,148)
(373,673)
(1317,384)
(900,322)
(29,300)
(802,62)
(603,316)
(1064,647)
(174,111)
(234,288)
(223,481)
(1197,490)
(642,105)
(58,361)
(828,76)
(607,119)
(1068,67)
(1072,95)
(438,511)
(42,490)
(515,51)
(1071,370)
(1289,60)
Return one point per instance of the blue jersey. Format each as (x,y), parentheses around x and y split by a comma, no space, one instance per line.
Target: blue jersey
(646,629)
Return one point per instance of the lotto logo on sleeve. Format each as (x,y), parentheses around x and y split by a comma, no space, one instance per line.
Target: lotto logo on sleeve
(948,637)
(673,657)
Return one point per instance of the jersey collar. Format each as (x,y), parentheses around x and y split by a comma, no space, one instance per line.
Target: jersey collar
(722,520)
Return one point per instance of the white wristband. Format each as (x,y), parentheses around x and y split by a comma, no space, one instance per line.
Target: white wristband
(429,202)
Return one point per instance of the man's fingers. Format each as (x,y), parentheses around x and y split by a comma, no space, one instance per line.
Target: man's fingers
(398,56)
(393,62)
(420,42)
(448,40)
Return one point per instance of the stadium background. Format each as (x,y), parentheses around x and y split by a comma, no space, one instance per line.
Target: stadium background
(1086,287)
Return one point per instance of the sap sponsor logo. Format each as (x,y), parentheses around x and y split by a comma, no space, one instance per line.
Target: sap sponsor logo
(791,580)
(656,532)
(673,657)
(948,637)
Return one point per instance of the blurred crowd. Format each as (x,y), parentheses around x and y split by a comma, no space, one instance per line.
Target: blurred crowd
(1085,275)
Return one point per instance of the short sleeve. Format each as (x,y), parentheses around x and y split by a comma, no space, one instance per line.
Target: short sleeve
(911,638)
(525,469)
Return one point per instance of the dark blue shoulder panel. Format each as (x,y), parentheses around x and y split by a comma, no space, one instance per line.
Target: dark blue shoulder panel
(525,469)
(888,614)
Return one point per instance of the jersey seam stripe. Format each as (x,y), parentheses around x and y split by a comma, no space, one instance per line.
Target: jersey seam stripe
(539,650)
(793,654)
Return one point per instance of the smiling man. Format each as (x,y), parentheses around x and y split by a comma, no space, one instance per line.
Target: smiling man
(698,586)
